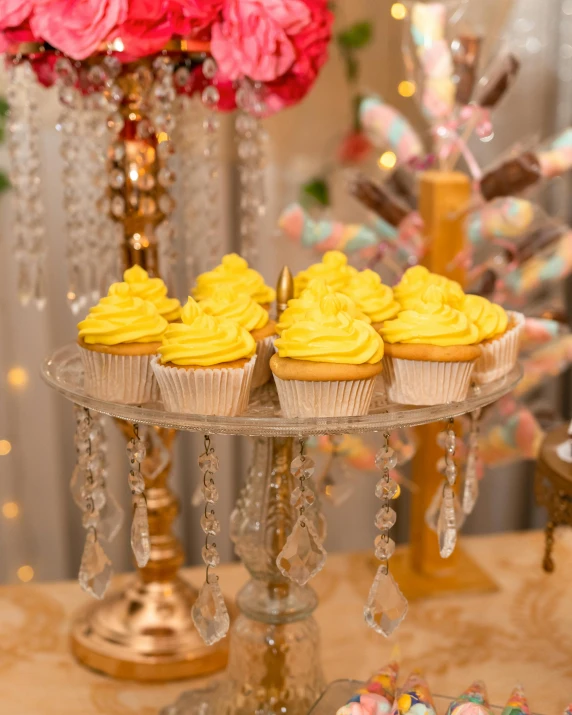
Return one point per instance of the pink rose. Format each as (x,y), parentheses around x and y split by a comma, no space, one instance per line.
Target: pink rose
(14,12)
(147,28)
(194,18)
(255,38)
(77,27)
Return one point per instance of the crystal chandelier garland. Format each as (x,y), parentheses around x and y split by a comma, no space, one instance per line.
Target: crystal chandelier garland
(102,517)
(140,536)
(251,142)
(209,612)
(447,521)
(386,606)
(337,483)
(24,148)
(303,555)
(210,198)
(470,492)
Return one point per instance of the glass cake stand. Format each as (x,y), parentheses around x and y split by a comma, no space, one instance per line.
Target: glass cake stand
(274,664)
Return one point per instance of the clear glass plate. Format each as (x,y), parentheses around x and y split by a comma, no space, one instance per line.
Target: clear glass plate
(64,372)
(340,691)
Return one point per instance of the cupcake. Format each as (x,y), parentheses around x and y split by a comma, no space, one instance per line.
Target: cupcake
(430,352)
(499,337)
(205,365)
(242,309)
(414,282)
(327,363)
(316,290)
(333,269)
(117,341)
(234,272)
(153,290)
(372,297)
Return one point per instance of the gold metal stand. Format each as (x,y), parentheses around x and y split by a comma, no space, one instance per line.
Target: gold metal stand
(145,632)
(420,570)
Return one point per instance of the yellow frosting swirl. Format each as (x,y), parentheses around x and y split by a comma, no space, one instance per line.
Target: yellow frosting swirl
(329,334)
(372,297)
(122,318)
(234,272)
(241,308)
(153,290)
(207,341)
(310,296)
(491,319)
(416,279)
(430,321)
(333,269)
(190,311)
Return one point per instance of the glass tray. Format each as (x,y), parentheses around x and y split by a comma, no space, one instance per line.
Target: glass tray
(64,372)
(340,691)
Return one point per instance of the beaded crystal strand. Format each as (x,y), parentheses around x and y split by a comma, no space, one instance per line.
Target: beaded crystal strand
(386,606)
(140,536)
(447,521)
(470,491)
(209,612)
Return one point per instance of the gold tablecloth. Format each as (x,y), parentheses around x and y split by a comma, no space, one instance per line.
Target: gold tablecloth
(522,633)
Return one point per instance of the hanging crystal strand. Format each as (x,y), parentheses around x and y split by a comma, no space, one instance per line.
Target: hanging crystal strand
(447,520)
(210,195)
(140,538)
(24,148)
(470,492)
(303,555)
(251,140)
(190,151)
(88,489)
(337,484)
(386,606)
(209,611)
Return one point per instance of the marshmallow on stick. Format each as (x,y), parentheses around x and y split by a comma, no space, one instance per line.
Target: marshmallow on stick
(557,158)
(501,218)
(386,128)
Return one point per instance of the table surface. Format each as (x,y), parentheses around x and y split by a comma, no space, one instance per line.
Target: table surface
(522,633)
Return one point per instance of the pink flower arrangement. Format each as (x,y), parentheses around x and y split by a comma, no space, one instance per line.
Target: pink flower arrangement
(280,43)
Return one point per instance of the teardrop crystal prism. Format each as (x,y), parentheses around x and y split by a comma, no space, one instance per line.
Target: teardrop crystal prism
(447,524)
(140,538)
(95,570)
(434,509)
(110,519)
(470,485)
(386,606)
(338,483)
(303,555)
(209,613)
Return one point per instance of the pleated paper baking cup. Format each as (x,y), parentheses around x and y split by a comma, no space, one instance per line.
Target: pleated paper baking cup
(127,379)
(264,351)
(499,356)
(305,398)
(421,382)
(217,391)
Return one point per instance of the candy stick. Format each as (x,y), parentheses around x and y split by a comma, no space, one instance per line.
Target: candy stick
(538,240)
(474,701)
(538,331)
(548,361)
(402,182)
(557,158)
(466,52)
(492,88)
(512,177)
(379,199)
(541,268)
(510,437)
(387,128)
(517,704)
(502,218)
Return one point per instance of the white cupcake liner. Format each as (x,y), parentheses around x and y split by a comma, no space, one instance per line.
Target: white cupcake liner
(420,382)
(262,372)
(301,398)
(127,379)
(499,356)
(217,391)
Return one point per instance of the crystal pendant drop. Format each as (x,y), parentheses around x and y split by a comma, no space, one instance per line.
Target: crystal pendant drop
(434,509)
(95,570)
(110,519)
(209,613)
(386,605)
(303,556)
(447,524)
(337,486)
(471,485)
(140,537)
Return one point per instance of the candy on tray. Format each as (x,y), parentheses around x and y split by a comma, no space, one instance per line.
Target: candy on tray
(377,695)
(494,85)
(474,701)
(388,128)
(517,704)
(415,697)
(512,176)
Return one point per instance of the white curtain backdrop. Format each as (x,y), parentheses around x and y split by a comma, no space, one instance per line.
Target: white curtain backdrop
(38,424)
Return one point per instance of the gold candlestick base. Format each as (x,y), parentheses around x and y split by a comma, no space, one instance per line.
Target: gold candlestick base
(145,633)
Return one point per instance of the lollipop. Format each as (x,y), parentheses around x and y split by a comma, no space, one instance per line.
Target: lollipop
(387,128)
(517,703)
(502,218)
(474,701)
(377,696)
(415,697)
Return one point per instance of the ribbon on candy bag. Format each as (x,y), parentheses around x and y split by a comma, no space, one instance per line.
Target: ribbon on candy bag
(377,696)
(415,698)
(517,704)
(387,128)
(474,701)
